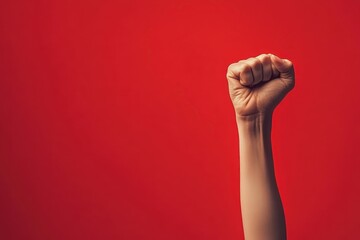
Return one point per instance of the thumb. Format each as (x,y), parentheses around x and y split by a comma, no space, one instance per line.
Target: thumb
(283,66)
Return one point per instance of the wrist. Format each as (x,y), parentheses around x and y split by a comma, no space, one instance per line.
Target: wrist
(254,124)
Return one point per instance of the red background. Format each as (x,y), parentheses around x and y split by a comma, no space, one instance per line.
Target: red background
(116,121)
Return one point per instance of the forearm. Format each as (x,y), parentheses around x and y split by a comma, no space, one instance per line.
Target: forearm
(262,211)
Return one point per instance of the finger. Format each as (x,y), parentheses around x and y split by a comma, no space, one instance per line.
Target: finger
(283,66)
(242,72)
(233,79)
(274,70)
(266,66)
(256,68)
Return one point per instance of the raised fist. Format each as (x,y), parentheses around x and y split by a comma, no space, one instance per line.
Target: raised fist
(258,84)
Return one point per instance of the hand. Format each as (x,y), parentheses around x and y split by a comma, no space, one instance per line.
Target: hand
(258,84)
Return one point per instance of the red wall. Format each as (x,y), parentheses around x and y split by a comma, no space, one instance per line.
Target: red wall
(116,121)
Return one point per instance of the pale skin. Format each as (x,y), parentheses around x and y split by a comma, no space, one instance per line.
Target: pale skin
(256,86)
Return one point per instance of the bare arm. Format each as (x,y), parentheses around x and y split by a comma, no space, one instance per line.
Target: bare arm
(256,87)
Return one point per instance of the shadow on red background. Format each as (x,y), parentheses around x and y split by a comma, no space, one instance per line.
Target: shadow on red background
(116,121)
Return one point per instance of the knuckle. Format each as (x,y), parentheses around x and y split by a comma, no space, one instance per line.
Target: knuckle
(255,63)
(230,70)
(265,60)
(263,57)
(245,68)
(291,65)
(230,67)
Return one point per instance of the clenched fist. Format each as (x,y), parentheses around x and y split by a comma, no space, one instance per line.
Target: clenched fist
(258,84)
